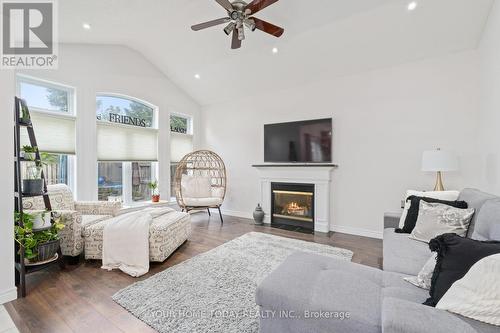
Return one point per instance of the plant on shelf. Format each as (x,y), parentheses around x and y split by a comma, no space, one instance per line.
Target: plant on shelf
(25,116)
(38,245)
(33,184)
(155,194)
(28,152)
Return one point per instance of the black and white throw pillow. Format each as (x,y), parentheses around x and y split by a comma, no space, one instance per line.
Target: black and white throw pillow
(412,215)
(455,256)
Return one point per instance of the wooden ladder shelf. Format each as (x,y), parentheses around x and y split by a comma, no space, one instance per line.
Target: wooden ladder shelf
(25,123)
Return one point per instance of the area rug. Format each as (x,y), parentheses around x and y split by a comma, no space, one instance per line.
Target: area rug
(215,291)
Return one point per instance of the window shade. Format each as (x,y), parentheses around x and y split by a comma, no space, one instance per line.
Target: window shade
(54,134)
(181,145)
(126,143)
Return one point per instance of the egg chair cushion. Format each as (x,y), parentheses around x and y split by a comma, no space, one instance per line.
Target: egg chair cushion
(202,202)
(195,187)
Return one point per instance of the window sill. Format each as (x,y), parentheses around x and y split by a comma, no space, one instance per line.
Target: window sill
(145,204)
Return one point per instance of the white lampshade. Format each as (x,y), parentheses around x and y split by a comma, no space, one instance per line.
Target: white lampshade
(439,160)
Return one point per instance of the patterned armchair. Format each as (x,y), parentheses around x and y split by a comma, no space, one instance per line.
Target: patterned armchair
(75,215)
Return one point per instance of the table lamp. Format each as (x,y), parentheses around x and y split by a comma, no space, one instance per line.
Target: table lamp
(439,161)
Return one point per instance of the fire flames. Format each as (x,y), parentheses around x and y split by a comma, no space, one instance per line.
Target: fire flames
(293,208)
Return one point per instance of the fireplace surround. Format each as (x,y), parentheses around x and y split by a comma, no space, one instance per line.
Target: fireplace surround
(319,175)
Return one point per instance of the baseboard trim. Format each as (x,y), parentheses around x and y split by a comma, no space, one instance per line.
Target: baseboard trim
(8,295)
(357,231)
(336,228)
(235,213)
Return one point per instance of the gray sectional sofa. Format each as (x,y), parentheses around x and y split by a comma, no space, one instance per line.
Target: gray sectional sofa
(308,285)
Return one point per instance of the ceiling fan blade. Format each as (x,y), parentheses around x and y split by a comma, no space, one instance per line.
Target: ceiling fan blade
(210,24)
(236,42)
(257,5)
(226,4)
(268,27)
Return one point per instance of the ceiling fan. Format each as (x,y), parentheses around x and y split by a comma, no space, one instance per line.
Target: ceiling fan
(240,14)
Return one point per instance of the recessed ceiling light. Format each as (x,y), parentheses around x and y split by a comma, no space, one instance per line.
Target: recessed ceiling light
(197,76)
(86,26)
(275,50)
(412,5)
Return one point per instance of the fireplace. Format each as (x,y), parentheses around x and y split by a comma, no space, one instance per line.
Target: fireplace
(292,206)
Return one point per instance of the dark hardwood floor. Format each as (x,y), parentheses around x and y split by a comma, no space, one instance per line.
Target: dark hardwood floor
(78,299)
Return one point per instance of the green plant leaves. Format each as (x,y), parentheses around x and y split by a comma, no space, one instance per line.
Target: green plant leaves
(29,239)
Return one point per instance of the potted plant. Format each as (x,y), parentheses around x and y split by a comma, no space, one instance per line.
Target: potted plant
(38,245)
(25,116)
(33,184)
(155,195)
(29,153)
(41,219)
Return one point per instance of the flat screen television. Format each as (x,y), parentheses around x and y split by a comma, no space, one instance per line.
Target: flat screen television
(307,141)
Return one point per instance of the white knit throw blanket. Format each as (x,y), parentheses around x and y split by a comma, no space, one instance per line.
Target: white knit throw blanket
(125,243)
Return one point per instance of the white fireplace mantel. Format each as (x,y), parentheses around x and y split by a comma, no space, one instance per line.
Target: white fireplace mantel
(319,175)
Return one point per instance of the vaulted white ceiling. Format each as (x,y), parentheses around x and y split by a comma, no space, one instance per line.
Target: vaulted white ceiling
(323,38)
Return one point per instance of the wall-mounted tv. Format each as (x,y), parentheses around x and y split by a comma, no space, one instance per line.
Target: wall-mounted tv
(307,141)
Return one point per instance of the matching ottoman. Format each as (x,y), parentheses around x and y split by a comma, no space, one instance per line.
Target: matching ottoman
(166,233)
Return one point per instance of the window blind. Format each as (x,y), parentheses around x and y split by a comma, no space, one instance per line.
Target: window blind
(54,134)
(181,145)
(126,143)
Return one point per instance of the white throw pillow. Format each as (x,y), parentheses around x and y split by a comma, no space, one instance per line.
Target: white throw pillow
(196,187)
(424,277)
(440,195)
(435,219)
(477,294)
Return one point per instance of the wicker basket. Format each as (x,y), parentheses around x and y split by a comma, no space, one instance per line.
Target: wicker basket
(47,250)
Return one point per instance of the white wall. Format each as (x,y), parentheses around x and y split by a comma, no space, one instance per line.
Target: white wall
(93,69)
(7,288)
(383,121)
(489,121)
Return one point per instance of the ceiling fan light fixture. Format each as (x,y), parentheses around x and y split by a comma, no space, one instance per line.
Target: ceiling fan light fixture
(229,29)
(250,24)
(241,33)
(238,18)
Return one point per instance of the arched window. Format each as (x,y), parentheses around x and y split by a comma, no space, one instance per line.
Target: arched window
(125,110)
(127,140)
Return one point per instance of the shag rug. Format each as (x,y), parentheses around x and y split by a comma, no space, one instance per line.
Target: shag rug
(215,291)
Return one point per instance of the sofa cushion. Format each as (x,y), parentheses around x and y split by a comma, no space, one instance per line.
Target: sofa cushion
(309,282)
(92,219)
(402,254)
(475,199)
(395,286)
(202,202)
(488,221)
(400,316)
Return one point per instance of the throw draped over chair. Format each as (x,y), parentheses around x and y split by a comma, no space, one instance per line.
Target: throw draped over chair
(200,181)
